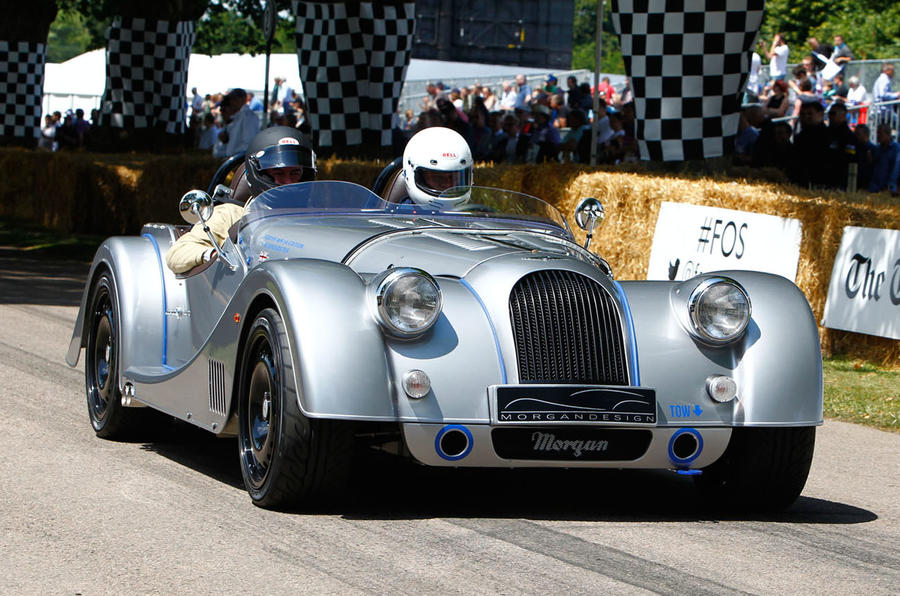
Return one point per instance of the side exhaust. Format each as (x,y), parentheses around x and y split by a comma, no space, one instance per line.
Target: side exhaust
(453,442)
(685,446)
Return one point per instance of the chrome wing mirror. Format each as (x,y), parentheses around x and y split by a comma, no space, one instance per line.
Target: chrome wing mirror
(588,214)
(197,207)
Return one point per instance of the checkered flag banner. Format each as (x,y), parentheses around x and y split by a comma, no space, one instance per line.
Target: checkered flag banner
(146,74)
(21,88)
(688,62)
(353,58)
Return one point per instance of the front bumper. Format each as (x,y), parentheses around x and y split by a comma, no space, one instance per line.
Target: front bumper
(545,446)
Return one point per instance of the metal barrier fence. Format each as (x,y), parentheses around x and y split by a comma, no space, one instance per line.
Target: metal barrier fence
(871,114)
(866,70)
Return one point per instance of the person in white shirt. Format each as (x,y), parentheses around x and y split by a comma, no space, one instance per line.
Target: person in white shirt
(881,90)
(508,97)
(753,78)
(241,124)
(857,92)
(196,104)
(778,58)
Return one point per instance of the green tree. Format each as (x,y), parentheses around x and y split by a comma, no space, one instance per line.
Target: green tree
(583,39)
(235,26)
(69,37)
(870,27)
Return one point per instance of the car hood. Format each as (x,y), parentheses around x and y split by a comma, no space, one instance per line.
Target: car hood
(372,244)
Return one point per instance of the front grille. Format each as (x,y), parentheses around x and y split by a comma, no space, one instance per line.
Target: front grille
(567,330)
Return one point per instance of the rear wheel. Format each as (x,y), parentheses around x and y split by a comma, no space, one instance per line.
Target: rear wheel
(109,418)
(286,458)
(762,469)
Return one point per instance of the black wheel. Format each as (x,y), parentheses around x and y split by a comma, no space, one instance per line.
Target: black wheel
(762,469)
(101,366)
(286,459)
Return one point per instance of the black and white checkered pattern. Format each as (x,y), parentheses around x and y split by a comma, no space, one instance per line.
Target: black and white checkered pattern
(146,74)
(21,88)
(688,61)
(353,59)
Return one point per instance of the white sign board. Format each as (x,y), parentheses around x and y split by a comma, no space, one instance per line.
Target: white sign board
(864,292)
(690,240)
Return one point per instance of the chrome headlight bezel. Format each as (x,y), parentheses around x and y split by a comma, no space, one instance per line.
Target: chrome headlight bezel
(696,303)
(387,282)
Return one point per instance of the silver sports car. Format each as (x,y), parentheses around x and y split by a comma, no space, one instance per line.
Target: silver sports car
(478,336)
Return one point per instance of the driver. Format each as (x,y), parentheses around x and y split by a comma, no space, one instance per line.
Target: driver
(276,156)
(437,159)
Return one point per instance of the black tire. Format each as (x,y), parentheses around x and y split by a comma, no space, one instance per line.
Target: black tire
(763,469)
(109,418)
(287,460)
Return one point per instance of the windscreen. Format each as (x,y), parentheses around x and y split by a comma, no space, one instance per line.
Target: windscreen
(478,203)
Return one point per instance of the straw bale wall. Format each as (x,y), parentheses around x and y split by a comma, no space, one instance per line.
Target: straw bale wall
(116,194)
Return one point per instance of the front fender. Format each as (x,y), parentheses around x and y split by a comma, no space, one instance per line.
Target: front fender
(340,365)
(134,264)
(777,364)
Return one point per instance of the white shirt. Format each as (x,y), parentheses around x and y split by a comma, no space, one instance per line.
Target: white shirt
(881,90)
(604,130)
(778,64)
(753,79)
(285,93)
(508,100)
(857,95)
(196,105)
(241,130)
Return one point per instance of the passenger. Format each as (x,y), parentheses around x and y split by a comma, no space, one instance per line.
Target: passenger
(276,156)
(435,160)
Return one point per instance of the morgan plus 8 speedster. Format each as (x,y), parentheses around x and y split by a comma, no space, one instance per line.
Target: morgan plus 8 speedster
(479,336)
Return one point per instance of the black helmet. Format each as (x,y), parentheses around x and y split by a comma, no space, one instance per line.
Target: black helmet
(278,147)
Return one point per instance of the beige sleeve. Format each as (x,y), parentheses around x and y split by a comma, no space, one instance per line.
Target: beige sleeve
(187,252)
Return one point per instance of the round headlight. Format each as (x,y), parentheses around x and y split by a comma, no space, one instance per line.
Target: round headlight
(407,301)
(719,309)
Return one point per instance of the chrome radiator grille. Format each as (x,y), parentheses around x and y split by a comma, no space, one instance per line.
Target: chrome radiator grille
(567,330)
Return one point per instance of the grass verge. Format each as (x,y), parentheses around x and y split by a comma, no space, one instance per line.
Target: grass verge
(857,391)
(34,241)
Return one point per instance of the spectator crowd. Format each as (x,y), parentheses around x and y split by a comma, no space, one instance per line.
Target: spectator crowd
(815,125)
(521,123)
(810,122)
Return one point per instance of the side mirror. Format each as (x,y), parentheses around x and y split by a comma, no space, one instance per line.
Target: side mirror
(588,214)
(195,206)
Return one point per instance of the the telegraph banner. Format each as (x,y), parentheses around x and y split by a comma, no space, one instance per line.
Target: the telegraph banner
(864,292)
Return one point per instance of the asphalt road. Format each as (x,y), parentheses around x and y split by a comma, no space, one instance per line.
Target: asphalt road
(80,515)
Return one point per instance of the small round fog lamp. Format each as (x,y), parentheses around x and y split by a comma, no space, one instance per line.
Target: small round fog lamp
(721,388)
(416,384)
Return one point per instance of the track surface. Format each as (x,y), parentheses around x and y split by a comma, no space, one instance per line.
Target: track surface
(79,515)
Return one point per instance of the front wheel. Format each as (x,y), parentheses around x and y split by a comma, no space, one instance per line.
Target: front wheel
(286,458)
(109,418)
(762,469)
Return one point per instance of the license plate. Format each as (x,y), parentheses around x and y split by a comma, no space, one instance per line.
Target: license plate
(573,404)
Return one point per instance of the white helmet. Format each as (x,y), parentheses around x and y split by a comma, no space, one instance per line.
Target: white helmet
(437,159)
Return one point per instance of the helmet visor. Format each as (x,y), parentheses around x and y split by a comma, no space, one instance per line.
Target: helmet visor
(436,182)
(286,156)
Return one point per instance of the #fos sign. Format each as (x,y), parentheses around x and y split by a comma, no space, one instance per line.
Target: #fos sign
(864,292)
(690,240)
